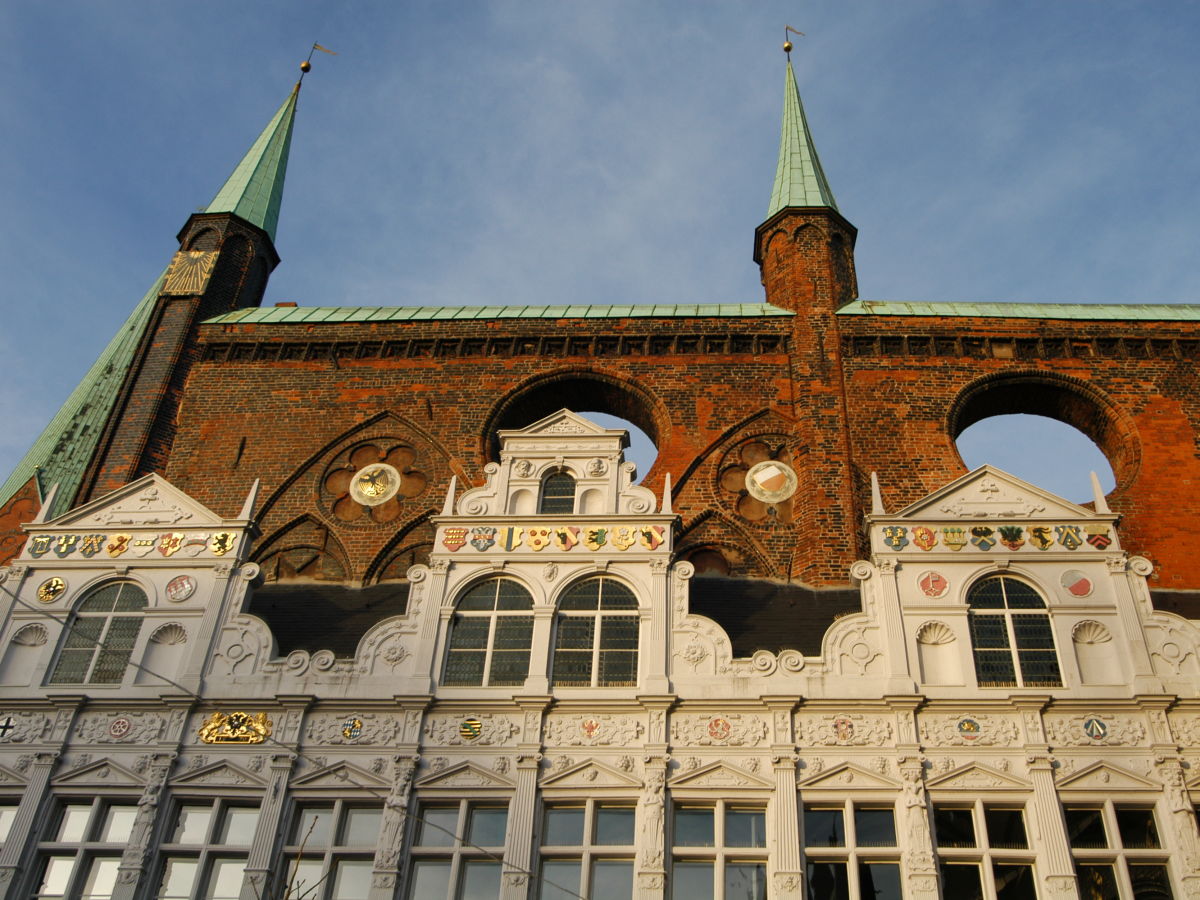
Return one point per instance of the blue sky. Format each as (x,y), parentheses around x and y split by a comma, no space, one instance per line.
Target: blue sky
(610,152)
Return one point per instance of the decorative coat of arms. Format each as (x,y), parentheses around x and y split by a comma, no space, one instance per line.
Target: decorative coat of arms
(235,728)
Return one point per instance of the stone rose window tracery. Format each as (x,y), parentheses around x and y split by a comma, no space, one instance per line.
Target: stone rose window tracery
(371,482)
(758,479)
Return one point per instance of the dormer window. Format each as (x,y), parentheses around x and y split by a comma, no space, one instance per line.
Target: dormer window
(101,635)
(1011,635)
(558,493)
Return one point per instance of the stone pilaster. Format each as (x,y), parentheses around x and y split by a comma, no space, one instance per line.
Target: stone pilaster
(651,814)
(32,799)
(518,846)
(256,882)
(1054,849)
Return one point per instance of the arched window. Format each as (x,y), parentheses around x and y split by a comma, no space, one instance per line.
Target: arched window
(101,635)
(558,493)
(490,635)
(1011,635)
(596,641)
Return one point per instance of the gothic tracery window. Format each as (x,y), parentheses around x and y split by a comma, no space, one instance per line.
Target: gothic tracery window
(101,635)
(490,635)
(596,640)
(1011,635)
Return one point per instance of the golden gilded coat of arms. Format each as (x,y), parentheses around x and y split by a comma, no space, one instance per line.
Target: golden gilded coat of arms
(235,728)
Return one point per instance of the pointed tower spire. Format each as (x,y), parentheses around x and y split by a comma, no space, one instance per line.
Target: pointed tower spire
(799,178)
(255,189)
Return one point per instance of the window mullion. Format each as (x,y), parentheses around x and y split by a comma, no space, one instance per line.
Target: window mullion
(1012,648)
(491,645)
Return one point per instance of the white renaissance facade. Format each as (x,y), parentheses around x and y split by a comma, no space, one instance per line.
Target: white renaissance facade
(1006,717)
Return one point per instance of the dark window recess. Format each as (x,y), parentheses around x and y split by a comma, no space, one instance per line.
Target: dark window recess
(558,494)
(954,827)
(767,615)
(325,616)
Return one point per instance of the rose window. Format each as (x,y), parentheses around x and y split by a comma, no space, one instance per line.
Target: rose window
(760,481)
(371,482)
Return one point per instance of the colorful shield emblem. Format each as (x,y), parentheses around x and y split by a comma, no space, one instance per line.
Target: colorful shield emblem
(651,536)
(589,727)
(90,545)
(169,544)
(470,729)
(454,537)
(969,729)
(180,588)
(221,543)
(352,728)
(924,537)
(509,537)
(483,537)
(143,546)
(983,537)
(1095,728)
(954,537)
(1076,583)
(1069,536)
(565,536)
(65,544)
(1039,536)
(537,538)
(719,729)
(895,536)
(1012,536)
(118,544)
(843,728)
(594,538)
(39,545)
(1098,536)
(623,537)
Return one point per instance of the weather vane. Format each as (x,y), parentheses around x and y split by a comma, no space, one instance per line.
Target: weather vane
(307,64)
(787,45)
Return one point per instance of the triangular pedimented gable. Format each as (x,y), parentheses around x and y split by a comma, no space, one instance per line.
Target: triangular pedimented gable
(563,422)
(339,777)
(149,502)
(103,771)
(976,777)
(11,776)
(1105,776)
(464,775)
(590,774)
(848,776)
(222,773)
(719,775)
(991,493)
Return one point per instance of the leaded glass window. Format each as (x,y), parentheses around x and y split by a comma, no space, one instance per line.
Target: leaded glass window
(490,635)
(596,642)
(101,635)
(558,493)
(1011,635)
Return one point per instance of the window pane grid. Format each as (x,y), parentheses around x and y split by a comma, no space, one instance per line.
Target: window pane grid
(1011,635)
(587,849)
(983,851)
(596,642)
(1118,851)
(207,849)
(100,636)
(719,850)
(850,851)
(490,640)
(80,851)
(331,849)
(445,864)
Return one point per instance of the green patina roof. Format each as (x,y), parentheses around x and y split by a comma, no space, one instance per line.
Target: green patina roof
(799,178)
(255,189)
(1130,312)
(62,452)
(309,314)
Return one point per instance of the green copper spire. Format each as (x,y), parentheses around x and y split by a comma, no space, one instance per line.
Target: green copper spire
(62,452)
(799,179)
(255,189)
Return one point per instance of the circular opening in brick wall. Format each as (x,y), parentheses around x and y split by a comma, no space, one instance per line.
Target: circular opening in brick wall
(1050,430)
(607,401)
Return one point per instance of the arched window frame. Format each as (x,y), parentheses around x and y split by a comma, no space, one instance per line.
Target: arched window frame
(603,639)
(97,642)
(489,635)
(557,494)
(1012,634)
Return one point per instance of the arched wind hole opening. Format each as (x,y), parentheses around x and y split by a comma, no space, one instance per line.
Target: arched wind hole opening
(1043,451)
(641,449)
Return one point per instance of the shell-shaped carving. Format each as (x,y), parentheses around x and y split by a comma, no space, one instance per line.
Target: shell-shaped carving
(791,660)
(31,636)
(1089,631)
(169,634)
(935,633)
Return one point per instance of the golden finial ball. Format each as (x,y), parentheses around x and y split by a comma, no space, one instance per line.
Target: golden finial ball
(305,66)
(787,46)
